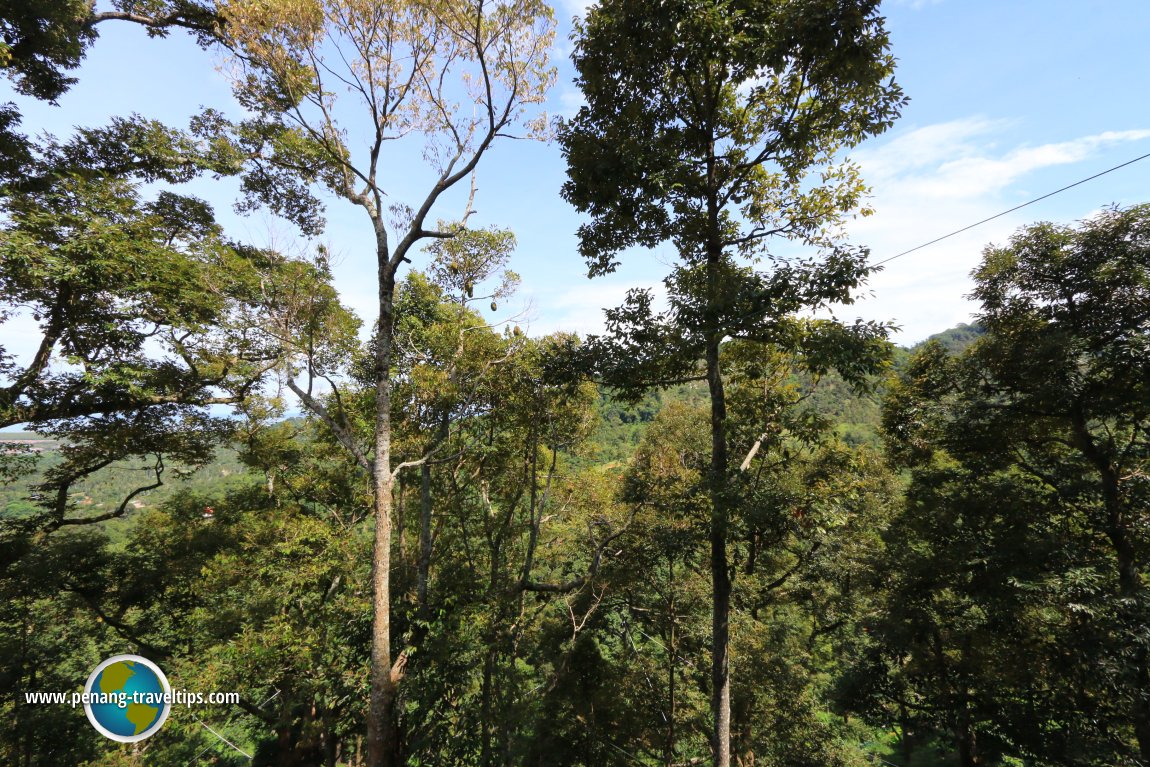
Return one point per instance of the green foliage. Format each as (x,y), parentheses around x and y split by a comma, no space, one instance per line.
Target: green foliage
(147,315)
(561,550)
(256,598)
(702,115)
(470,257)
(1017,616)
(40,42)
(704,124)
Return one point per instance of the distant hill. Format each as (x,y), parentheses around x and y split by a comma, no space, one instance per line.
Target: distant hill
(856,418)
(106,489)
(956,339)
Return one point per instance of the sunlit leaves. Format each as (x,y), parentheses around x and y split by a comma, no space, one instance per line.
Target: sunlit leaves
(464,261)
(739,102)
(409,65)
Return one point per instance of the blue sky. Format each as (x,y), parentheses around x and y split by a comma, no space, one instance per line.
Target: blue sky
(1009,101)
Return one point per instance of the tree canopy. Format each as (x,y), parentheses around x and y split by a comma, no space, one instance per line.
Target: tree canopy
(1029,450)
(429,537)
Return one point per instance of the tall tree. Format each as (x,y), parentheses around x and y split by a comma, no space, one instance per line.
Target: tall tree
(146,312)
(1049,414)
(704,122)
(146,315)
(453,76)
(497,515)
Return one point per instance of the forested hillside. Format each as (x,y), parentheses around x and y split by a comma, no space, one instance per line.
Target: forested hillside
(620,425)
(729,529)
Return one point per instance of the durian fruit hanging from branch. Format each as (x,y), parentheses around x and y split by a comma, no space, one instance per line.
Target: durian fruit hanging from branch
(470,259)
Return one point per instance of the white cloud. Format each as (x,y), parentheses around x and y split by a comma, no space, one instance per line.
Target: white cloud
(569,101)
(945,161)
(579,308)
(937,179)
(924,147)
(976,176)
(578,7)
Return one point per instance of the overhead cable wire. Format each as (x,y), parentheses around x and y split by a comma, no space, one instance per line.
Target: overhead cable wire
(1016,207)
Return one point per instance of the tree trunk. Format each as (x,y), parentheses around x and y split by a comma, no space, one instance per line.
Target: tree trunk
(1142,705)
(967,743)
(1130,587)
(905,744)
(485,758)
(720,574)
(1118,532)
(381,735)
(669,751)
(424,569)
(717,481)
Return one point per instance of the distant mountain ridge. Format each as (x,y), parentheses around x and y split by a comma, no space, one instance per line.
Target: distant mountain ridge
(954,340)
(856,419)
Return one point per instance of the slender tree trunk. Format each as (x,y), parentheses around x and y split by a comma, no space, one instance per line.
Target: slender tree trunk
(967,743)
(1142,705)
(381,735)
(905,745)
(1130,587)
(424,572)
(485,707)
(671,655)
(720,572)
(1129,581)
(720,512)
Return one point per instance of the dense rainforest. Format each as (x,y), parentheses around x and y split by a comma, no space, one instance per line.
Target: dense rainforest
(730,529)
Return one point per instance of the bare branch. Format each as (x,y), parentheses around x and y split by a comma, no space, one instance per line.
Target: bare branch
(157,469)
(578,582)
(338,426)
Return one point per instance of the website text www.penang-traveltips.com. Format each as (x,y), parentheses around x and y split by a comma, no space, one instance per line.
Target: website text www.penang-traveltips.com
(123,699)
